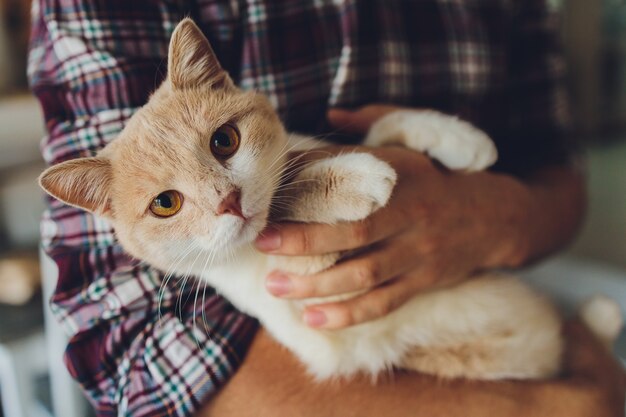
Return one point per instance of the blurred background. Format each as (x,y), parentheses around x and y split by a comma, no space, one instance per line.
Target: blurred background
(594,36)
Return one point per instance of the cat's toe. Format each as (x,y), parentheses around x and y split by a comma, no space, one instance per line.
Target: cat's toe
(375,190)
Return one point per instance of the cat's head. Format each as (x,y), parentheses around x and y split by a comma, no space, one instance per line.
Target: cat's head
(194,169)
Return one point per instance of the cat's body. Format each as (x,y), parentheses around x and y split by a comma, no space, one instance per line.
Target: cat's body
(190,201)
(490,327)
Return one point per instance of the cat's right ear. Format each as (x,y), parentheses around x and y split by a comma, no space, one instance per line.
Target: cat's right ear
(83,183)
(191,60)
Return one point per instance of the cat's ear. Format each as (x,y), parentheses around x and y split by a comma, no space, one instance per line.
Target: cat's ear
(191,60)
(83,183)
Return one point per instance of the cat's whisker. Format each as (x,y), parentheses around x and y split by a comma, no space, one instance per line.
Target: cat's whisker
(284,205)
(294,166)
(300,159)
(301,181)
(169,273)
(207,261)
(178,308)
(297,157)
(187,276)
(193,312)
(190,247)
(281,181)
(294,183)
(284,195)
(285,200)
(206,327)
(283,151)
(279,158)
(282,173)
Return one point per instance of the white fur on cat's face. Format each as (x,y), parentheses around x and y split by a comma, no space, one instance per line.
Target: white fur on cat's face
(166,146)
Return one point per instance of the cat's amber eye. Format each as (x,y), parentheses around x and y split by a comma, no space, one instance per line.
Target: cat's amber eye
(225,141)
(166,204)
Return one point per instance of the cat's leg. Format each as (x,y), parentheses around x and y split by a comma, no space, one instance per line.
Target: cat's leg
(489,357)
(455,143)
(492,327)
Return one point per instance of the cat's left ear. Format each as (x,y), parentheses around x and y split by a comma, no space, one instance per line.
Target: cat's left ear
(191,60)
(83,182)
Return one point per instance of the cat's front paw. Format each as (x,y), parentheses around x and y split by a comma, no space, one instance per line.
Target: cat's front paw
(346,187)
(368,184)
(455,143)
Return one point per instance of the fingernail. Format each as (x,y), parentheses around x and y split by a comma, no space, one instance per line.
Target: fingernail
(315,318)
(278,284)
(268,240)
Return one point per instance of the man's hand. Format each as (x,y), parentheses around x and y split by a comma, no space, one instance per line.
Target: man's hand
(591,374)
(438,228)
(272,383)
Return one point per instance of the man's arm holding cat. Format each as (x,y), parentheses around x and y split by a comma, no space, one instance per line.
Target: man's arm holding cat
(498,221)
(276,385)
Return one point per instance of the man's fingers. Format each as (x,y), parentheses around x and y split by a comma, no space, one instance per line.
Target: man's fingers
(369,306)
(317,239)
(585,355)
(345,121)
(597,373)
(362,272)
(358,121)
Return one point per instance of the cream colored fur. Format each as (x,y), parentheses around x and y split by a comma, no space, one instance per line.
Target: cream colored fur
(490,327)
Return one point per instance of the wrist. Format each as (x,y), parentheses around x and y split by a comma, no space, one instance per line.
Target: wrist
(512,223)
(507,212)
(535,216)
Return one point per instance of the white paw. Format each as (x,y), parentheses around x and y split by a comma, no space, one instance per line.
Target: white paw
(455,143)
(363,184)
(346,187)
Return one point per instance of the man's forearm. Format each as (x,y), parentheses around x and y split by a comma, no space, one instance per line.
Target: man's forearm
(529,218)
(554,205)
(272,383)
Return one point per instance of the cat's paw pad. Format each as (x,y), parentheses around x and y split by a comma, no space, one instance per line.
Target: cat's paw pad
(455,143)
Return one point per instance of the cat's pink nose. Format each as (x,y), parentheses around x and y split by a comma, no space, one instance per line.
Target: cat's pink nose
(231,205)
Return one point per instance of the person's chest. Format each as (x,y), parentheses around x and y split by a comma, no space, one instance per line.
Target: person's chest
(309,55)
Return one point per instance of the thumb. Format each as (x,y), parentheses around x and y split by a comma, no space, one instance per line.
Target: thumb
(586,356)
(358,121)
(346,121)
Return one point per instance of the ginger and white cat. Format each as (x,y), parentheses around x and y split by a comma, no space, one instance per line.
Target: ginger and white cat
(190,182)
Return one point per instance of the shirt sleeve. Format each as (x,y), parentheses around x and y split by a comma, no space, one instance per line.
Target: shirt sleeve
(139,346)
(536,130)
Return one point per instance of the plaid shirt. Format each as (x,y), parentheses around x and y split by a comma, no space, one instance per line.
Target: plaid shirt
(93,63)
